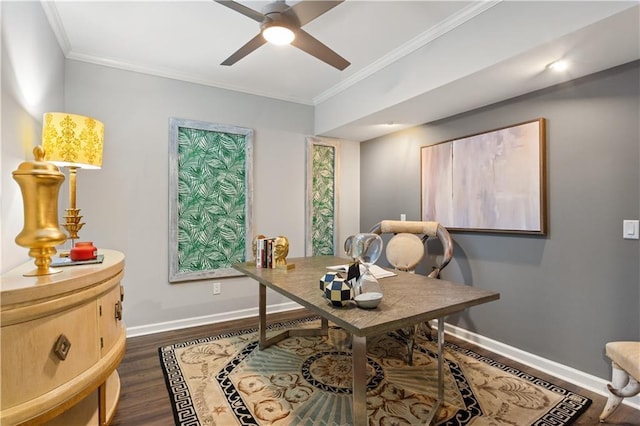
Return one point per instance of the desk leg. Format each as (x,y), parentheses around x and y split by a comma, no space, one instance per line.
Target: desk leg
(433,415)
(440,361)
(262,312)
(359,360)
(276,336)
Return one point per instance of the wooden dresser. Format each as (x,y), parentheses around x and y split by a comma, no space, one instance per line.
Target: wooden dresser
(62,337)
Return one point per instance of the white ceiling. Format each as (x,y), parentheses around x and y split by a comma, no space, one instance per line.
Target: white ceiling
(411,61)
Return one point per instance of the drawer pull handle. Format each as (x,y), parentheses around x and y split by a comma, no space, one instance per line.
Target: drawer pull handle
(121,294)
(119,310)
(61,349)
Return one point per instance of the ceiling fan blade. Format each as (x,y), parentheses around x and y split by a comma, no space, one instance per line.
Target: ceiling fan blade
(240,8)
(305,41)
(306,11)
(249,47)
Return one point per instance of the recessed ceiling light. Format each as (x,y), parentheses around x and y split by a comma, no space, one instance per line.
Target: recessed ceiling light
(558,65)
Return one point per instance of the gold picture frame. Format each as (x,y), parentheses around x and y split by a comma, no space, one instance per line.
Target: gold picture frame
(493,181)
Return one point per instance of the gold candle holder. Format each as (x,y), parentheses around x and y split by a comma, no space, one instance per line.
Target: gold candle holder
(39,183)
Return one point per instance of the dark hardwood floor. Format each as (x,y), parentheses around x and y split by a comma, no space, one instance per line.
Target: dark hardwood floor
(144,399)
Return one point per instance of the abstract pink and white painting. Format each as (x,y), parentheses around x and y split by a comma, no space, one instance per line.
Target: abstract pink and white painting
(492,181)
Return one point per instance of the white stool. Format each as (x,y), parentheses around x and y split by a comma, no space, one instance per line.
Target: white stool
(625,374)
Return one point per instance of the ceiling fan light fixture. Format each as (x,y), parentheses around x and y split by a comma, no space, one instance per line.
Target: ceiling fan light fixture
(278,34)
(281,23)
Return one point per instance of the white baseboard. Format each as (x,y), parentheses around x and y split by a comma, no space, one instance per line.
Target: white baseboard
(577,377)
(206,320)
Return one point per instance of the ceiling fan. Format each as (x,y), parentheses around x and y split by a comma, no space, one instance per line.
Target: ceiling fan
(281,20)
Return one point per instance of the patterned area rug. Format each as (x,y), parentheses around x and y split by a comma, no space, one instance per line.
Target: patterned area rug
(226,380)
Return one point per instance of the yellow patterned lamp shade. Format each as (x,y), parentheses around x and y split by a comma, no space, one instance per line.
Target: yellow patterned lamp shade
(71,140)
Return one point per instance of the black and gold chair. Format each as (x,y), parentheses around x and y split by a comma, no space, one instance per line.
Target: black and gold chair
(406,249)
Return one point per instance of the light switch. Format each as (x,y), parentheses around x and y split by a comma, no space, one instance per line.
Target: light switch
(630,229)
(403,217)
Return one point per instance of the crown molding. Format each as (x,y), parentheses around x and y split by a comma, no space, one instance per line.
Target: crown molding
(174,75)
(469,12)
(421,40)
(55,23)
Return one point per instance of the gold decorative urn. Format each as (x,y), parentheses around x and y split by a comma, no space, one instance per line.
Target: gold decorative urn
(40,184)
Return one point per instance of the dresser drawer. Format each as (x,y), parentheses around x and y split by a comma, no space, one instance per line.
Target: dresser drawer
(29,364)
(110,318)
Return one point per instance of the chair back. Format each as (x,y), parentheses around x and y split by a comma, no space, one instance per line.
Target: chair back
(403,252)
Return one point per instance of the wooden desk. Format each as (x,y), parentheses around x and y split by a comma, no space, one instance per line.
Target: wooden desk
(83,304)
(409,299)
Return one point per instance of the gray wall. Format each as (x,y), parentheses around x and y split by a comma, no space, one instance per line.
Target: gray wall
(565,295)
(125,204)
(32,84)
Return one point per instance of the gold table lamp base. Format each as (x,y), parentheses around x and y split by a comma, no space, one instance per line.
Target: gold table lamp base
(42,260)
(72,223)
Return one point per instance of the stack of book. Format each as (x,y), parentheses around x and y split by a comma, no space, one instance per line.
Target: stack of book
(265,257)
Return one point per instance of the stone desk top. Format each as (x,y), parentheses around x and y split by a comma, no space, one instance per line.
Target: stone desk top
(408,298)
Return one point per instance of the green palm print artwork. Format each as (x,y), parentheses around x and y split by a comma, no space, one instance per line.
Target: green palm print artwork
(211,199)
(323,202)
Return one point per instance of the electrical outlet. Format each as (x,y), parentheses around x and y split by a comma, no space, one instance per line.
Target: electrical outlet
(216,288)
